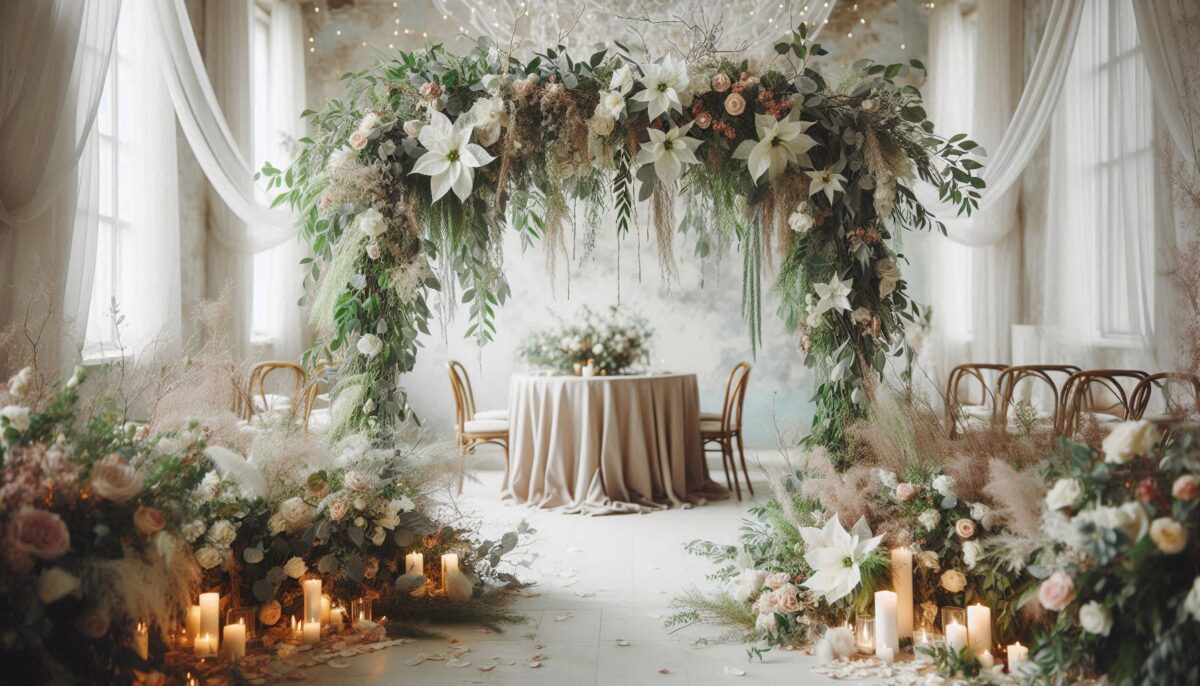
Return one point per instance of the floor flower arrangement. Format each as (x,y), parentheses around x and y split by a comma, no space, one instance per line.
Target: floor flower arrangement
(405,187)
(1083,562)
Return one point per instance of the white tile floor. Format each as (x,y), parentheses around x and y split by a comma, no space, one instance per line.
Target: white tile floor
(599,580)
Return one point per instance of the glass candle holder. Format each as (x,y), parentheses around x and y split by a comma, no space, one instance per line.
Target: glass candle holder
(247,616)
(864,634)
(953,615)
(360,610)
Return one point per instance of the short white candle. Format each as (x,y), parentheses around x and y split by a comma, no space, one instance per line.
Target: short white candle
(986,660)
(193,622)
(887,627)
(312,632)
(312,600)
(297,628)
(326,606)
(1017,654)
(337,616)
(886,655)
(204,645)
(234,638)
(141,641)
(210,615)
(979,628)
(414,563)
(902,582)
(956,636)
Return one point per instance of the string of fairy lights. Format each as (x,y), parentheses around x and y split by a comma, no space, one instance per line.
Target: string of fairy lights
(751,25)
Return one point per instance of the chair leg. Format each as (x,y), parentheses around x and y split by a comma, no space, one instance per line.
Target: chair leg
(725,468)
(727,453)
(742,454)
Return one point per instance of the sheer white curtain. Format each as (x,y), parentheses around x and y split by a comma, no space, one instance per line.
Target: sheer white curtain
(1159,27)
(137,248)
(1102,220)
(53,59)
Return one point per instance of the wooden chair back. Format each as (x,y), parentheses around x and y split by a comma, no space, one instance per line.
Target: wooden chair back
(257,384)
(735,397)
(976,372)
(1101,391)
(314,389)
(1053,376)
(464,396)
(1161,384)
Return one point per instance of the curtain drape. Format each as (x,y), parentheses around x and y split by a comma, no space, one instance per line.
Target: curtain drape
(1157,24)
(53,58)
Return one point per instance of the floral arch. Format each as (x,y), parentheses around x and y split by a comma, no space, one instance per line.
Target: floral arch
(406,185)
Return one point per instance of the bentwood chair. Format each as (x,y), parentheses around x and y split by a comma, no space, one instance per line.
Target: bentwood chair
(1052,377)
(725,429)
(1101,395)
(961,412)
(473,428)
(259,401)
(1175,407)
(313,396)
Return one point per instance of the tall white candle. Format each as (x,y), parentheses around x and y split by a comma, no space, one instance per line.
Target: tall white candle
(234,637)
(902,583)
(449,567)
(956,636)
(326,606)
(312,600)
(141,641)
(1017,654)
(312,632)
(979,628)
(887,627)
(210,614)
(193,622)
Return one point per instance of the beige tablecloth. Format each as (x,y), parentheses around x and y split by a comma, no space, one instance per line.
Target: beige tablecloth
(606,445)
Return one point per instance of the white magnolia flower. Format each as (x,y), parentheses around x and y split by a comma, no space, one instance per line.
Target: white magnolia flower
(489,116)
(1168,534)
(800,221)
(669,152)
(372,223)
(17,417)
(1192,602)
(663,83)
(780,142)
(451,157)
(20,383)
(979,512)
(1063,494)
(971,551)
(827,181)
(834,295)
(745,585)
(612,104)
(54,583)
(929,519)
(836,563)
(944,485)
(622,80)
(1095,618)
(1128,440)
(370,345)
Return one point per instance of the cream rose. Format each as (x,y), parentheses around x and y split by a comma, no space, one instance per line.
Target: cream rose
(222,533)
(193,530)
(372,223)
(929,519)
(1095,618)
(294,511)
(929,560)
(953,581)
(21,383)
(277,524)
(208,557)
(1168,534)
(1056,592)
(1192,602)
(721,83)
(889,276)
(965,528)
(735,104)
(1128,440)
(358,140)
(776,580)
(270,612)
(338,509)
(54,583)
(148,520)
(1065,493)
(295,567)
(905,491)
(356,481)
(17,417)
(789,599)
(1186,487)
(601,124)
(114,479)
(370,345)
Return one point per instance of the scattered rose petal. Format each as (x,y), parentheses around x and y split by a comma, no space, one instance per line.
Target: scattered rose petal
(622,642)
(414,661)
(734,671)
(337,664)
(486,668)
(664,670)
(533,665)
(458,664)
(585,594)
(563,618)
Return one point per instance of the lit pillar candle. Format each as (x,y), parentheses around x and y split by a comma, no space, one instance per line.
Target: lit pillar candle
(204,645)
(234,638)
(986,660)
(887,628)
(1017,654)
(414,563)
(312,600)
(956,636)
(193,622)
(337,617)
(449,567)
(312,632)
(326,605)
(210,615)
(141,641)
(979,628)
(902,583)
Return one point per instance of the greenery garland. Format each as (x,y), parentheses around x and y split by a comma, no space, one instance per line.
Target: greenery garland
(406,186)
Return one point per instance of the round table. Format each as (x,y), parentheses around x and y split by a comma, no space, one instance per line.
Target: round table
(607,444)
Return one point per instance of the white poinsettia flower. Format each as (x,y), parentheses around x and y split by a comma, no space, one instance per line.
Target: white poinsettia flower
(780,142)
(669,152)
(825,180)
(488,116)
(834,295)
(663,85)
(622,80)
(451,156)
(836,563)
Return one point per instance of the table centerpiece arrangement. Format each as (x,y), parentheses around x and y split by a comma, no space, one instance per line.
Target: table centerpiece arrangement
(607,344)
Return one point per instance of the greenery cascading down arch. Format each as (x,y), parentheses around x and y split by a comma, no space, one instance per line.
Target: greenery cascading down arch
(431,156)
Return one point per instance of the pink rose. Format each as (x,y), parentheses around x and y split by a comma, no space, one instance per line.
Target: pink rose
(720,83)
(1056,592)
(149,520)
(270,612)
(358,140)
(776,580)
(114,479)
(905,491)
(789,599)
(38,533)
(735,104)
(767,602)
(965,528)
(522,88)
(93,623)
(704,120)
(1186,487)
(430,91)
(338,509)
